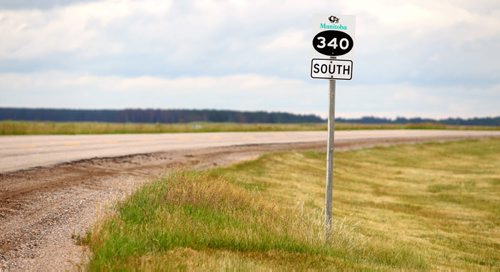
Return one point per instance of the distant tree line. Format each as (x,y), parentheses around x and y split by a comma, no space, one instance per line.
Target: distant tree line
(184,116)
(483,121)
(154,116)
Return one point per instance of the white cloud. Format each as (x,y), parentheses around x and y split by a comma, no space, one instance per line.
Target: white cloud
(288,40)
(83,28)
(411,56)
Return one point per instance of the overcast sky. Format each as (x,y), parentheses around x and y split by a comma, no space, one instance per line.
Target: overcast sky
(412,58)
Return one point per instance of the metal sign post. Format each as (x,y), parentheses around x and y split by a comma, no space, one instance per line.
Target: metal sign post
(334,39)
(329,161)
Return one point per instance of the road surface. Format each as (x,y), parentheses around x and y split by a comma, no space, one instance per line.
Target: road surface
(21,152)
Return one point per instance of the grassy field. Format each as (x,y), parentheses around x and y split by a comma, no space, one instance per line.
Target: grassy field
(69,128)
(428,206)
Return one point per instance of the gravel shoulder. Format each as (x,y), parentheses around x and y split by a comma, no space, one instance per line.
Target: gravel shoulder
(42,209)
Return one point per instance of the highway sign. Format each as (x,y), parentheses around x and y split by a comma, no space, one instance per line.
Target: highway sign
(331,69)
(334,35)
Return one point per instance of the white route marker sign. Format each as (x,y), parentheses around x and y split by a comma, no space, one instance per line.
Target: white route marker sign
(331,69)
(334,37)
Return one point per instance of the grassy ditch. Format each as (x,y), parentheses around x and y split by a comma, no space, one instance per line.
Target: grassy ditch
(410,207)
(72,128)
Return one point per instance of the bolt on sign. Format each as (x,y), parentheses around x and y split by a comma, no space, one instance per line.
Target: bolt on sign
(333,37)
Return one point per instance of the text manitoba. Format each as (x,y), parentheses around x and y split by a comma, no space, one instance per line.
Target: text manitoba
(327,26)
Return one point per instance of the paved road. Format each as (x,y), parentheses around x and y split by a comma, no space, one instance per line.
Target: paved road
(21,152)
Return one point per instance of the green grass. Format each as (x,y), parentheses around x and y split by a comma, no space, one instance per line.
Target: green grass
(40,128)
(71,128)
(410,207)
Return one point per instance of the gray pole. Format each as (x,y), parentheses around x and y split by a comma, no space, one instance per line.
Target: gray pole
(329,162)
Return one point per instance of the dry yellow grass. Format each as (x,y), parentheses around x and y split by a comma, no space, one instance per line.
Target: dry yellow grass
(409,207)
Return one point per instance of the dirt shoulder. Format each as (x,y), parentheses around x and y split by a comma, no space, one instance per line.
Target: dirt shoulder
(42,209)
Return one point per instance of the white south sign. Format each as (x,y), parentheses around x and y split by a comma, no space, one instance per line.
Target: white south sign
(331,69)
